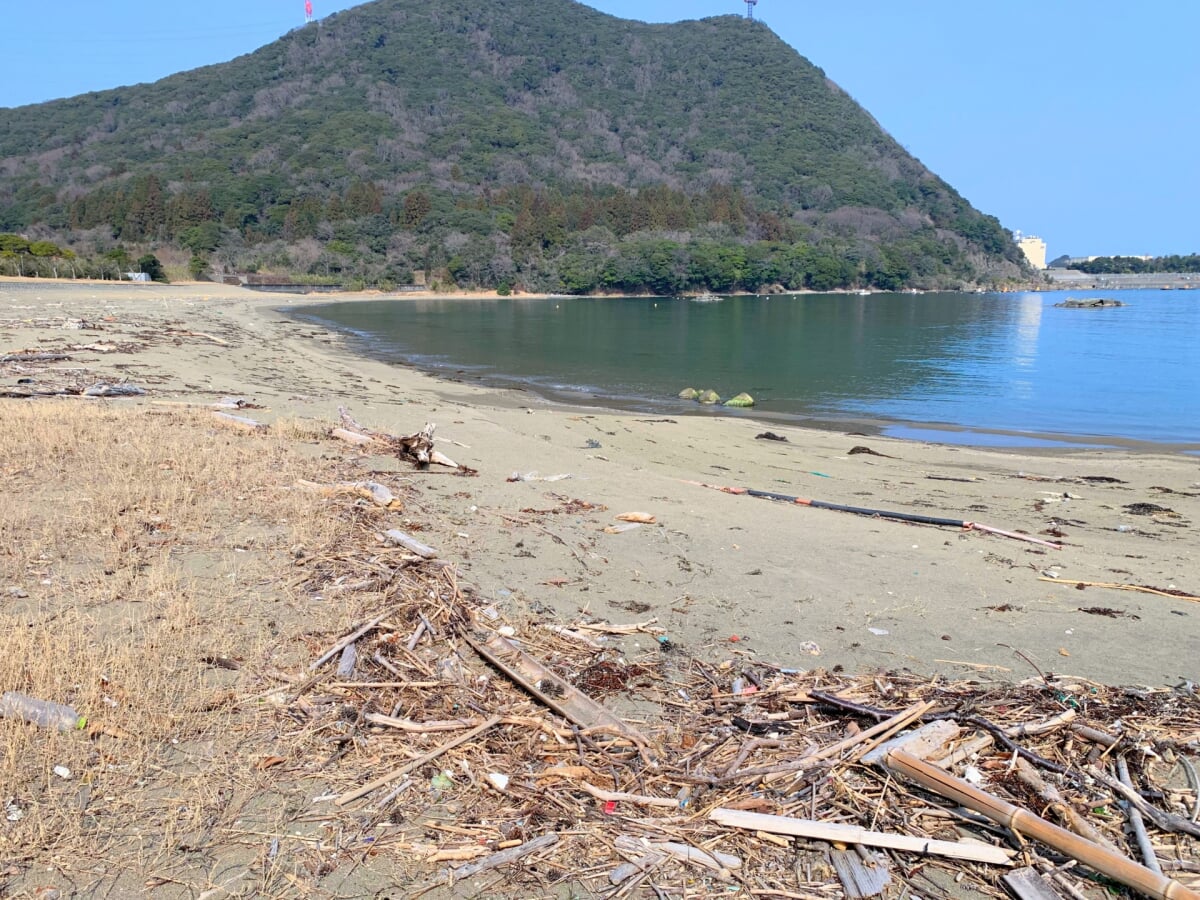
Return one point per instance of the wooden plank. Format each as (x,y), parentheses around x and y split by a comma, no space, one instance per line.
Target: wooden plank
(860,878)
(1028,884)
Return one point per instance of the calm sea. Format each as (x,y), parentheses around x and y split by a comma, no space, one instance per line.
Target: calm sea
(989,363)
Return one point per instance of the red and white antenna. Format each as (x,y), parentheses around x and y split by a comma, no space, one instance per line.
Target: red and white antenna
(308,12)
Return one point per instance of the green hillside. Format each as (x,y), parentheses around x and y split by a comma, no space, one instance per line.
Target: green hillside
(536,143)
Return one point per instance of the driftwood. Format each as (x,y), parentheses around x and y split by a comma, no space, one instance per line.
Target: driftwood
(1116,866)
(351,796)
(862,874)
(100,389)
(415,448)
(1029,884)
(720,863)
(555,692)
(34,357)
(1061,808)
(504,857)
(113,390)
(1136,823)
(349,639)
(852,834)
(410,543)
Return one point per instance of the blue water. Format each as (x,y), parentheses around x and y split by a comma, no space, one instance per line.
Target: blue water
(989,363)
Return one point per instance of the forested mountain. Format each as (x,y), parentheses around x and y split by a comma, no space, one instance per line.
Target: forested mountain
(535,143)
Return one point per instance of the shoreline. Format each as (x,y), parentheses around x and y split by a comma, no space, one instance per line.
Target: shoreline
(925,431)
(796,586)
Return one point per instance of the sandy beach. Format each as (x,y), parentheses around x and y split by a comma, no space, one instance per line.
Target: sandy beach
(792,585)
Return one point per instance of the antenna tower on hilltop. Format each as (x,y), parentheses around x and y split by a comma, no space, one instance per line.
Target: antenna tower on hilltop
(308,12)
(750,4)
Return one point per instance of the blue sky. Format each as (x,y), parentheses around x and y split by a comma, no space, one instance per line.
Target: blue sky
(1075,121)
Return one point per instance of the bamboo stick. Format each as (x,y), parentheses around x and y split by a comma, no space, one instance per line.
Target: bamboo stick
(852,834)
(1022,821)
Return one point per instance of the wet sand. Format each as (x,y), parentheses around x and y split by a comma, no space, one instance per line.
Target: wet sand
(792,585)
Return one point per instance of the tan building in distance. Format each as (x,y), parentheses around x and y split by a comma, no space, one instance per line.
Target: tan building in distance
(1034,249)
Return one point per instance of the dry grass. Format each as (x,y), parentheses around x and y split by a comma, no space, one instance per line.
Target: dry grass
(137,548)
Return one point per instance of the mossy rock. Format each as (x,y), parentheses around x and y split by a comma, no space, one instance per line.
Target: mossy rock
(741,401)
(709,397)
(689,394)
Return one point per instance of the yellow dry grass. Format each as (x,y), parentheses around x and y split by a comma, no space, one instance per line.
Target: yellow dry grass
(139,550)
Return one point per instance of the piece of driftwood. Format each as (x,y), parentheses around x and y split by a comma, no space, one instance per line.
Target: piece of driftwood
(1116,866)
(619,796)
(1149,857)
(862,874)
(882,730)
(350,639)
(351,437)
(641,863)
(410,543)
(852,834)
(721,863)
(1165,820)
(1029,884)
(920,742)
(1095,735)
(415,448)
(1058,804)
(351,796)
(34,357)
(1066,717)
(412,727)
(504,857)
(113,390)
(348,661)
(240,422)
(1137,588)
(552,690)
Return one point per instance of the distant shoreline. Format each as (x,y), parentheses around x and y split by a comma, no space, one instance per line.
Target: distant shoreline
(1180,282)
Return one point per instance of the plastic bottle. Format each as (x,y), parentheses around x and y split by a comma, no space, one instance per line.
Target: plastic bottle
(40,712)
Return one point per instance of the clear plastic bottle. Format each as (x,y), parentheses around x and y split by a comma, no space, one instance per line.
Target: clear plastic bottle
(40,712)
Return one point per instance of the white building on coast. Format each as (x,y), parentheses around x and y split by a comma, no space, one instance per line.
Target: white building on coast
(1034,249)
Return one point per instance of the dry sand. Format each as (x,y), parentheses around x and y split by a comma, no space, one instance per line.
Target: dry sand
(791,585)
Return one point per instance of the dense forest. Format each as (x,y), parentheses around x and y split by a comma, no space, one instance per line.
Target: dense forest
(1135,265)
(535,145)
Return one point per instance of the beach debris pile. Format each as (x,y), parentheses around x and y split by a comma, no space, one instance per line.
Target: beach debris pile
(473,741)
(59,366)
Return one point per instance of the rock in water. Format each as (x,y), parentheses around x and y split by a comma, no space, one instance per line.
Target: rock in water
(1089,303)
(689,394)
(709,397)
(741,401)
